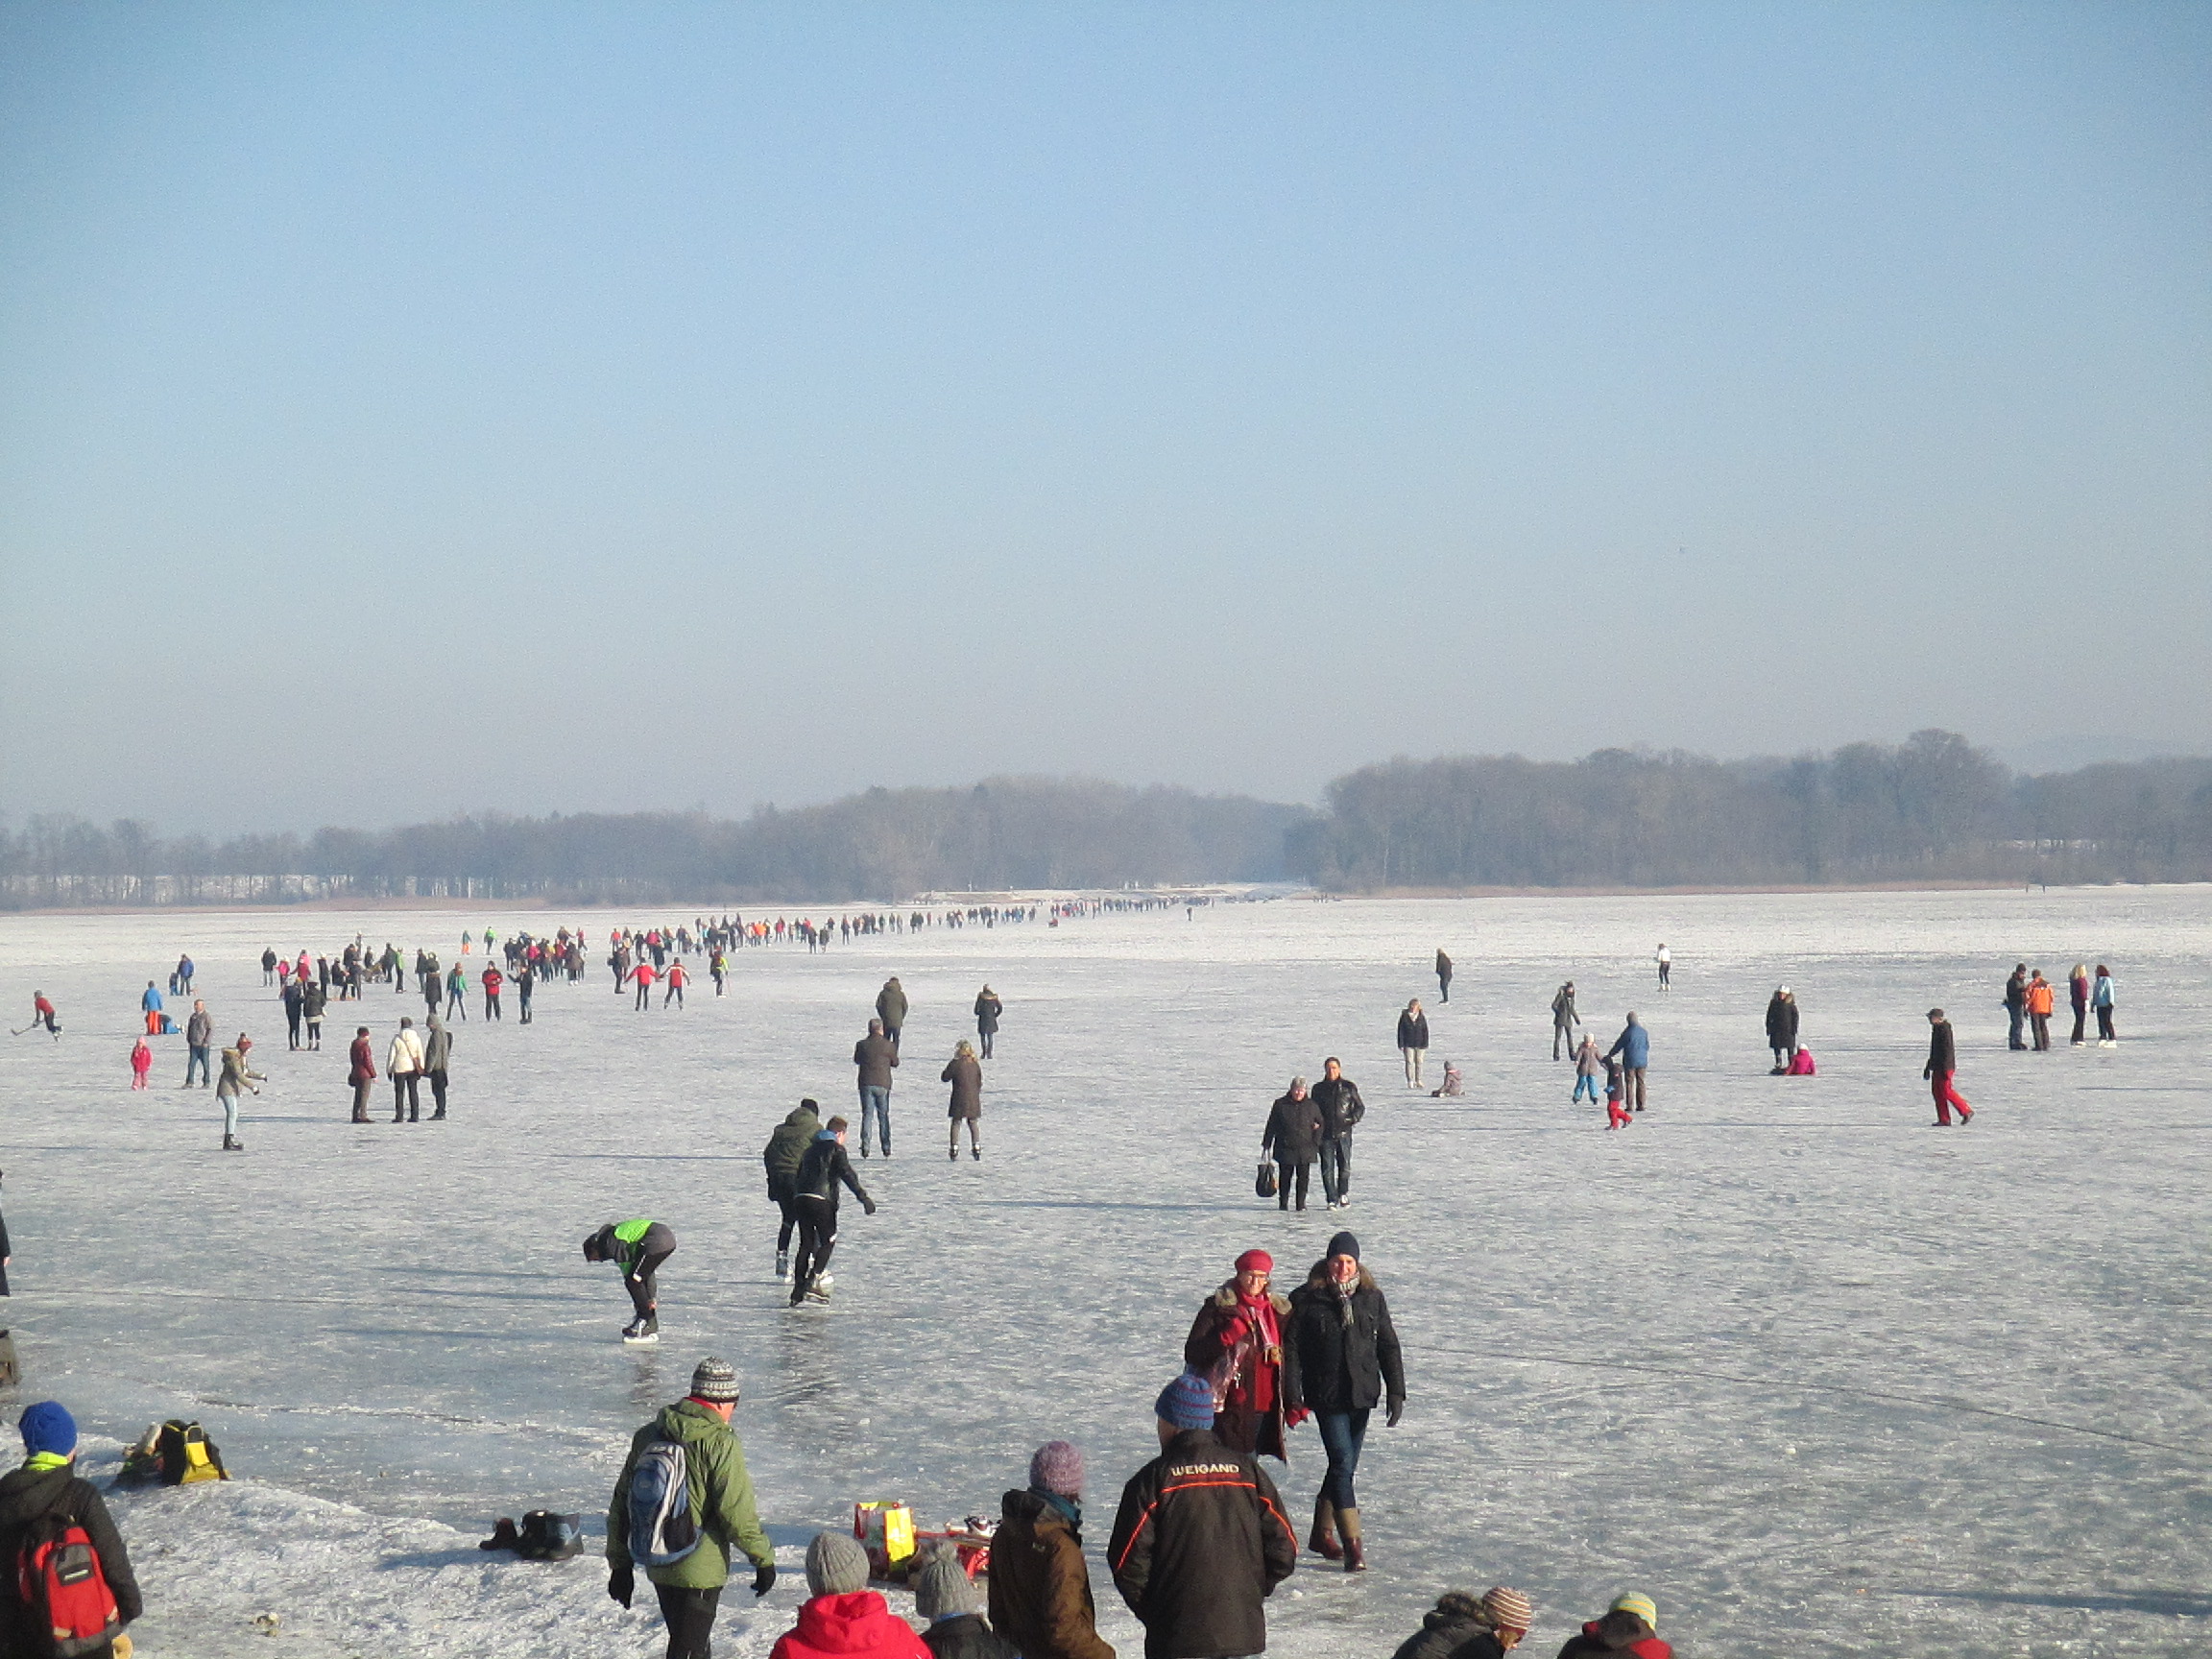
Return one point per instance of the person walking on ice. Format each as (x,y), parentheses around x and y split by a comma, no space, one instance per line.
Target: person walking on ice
(1564,1019)
(638,1246)
(965,1072)
(1633,1050)
(687,1465)
(988,1009)
(141,1063)
(1942,1062)
(1666,961)
(875,1057)
(1443,977)
(1412,1041)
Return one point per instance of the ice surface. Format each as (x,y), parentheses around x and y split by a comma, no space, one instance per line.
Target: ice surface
(1819,1378)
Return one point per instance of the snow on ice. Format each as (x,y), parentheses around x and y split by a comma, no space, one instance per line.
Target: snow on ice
(1819,1378)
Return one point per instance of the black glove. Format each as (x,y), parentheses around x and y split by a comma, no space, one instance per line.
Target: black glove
(1396,1411)
(764,1580)
(621,1584)
(868,1206)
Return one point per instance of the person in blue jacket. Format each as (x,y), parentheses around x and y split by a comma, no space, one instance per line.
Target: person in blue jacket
(1633,1048)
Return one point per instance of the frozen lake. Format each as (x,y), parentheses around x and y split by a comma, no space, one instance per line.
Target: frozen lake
(1817,1377)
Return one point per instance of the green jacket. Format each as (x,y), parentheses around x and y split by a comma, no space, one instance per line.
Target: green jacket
(721,1496)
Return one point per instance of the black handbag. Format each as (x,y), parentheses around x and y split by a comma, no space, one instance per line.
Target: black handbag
(1263,1184)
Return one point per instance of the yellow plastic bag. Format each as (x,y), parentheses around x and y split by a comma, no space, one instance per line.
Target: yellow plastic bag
(886,1532)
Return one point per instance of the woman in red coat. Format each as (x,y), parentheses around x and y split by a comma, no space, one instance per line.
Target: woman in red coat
(1237,1343)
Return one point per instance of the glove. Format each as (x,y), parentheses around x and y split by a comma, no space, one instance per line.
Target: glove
(1396,1411)
(1295,1415)
(868,1206)
(621,1584)
(764,1580)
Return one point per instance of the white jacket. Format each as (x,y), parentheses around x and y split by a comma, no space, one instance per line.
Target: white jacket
(406,1053)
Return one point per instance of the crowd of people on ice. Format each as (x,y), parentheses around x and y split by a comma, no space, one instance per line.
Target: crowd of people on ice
(1200,1536)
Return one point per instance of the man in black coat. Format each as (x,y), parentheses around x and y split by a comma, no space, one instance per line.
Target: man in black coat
(48,1485)
(1942,1060)
(1200,1540)
(2016,1006)
(821,1172)
(1341,1109)
(1782,1028)
(1564,1019)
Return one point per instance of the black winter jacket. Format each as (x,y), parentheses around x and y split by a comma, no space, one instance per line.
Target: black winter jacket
(826,1167)
(25,1495)
(1616,1633)
(1332,1366)
(1341,1107)
(1293,1130)
(965,1636)
(1781,1022)
(987,1012)
(1412,1031)
(1455,1622)
(1943,1049)
(1200,1541)
(787,1148)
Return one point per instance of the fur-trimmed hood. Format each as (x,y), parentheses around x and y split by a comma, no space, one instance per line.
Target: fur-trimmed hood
(1226,1299)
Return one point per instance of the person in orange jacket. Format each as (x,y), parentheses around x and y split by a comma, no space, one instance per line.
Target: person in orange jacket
(2039,1000)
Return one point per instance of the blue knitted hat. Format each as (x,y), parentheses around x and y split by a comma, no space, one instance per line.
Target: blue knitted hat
(1188,1403)
(48,1426)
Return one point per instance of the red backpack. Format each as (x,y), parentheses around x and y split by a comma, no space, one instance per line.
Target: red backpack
(58,1578)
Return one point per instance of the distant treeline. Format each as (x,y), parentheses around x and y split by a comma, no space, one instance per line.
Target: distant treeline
(884,844)
(1932,808)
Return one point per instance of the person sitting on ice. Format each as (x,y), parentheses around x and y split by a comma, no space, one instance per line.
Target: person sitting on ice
(842,1616)
(1464,1626)
(1630,1626)
(1453,1085)
(1801,1064)
(945,1596)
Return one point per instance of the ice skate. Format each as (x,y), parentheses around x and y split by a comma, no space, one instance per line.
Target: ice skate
(783,1265)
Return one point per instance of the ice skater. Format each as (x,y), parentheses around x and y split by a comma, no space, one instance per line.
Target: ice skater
(638,1246)
(1942,1062)
(823,1170)
(42,1014)
(988,1009)
(238,1075)
(965,1072)
(1589,1065)
(672,986)
(780,1158)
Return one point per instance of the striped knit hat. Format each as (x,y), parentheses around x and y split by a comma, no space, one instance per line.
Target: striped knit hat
(1642,1605)
(1508,1609)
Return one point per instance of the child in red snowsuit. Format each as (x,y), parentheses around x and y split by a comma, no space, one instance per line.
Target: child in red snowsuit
(141,1063)
(1616,1116)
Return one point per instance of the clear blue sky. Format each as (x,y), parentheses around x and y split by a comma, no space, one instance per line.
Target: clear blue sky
(552,406)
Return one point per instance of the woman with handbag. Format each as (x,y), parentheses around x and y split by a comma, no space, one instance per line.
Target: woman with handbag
(1236,1343)
(1293,1134)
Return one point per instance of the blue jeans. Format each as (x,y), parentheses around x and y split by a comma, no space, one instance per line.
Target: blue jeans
(1582,1084)
(875,1107)
(196,1059)
(229,1105)
(1342,1435)
(1337,1169)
